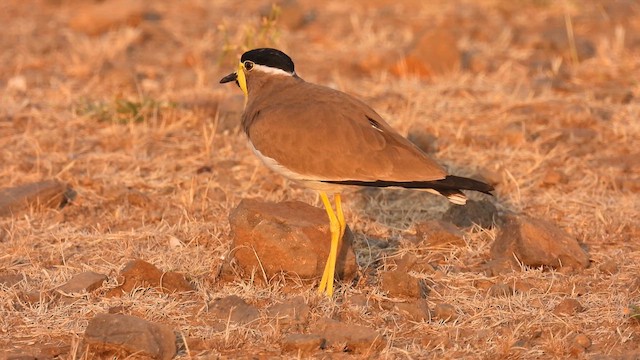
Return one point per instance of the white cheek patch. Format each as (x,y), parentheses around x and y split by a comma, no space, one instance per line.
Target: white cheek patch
(270,70)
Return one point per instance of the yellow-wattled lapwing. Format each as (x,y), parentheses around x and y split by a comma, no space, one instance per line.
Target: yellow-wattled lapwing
(326,140)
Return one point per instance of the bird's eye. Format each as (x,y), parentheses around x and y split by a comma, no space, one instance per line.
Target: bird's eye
(248,65)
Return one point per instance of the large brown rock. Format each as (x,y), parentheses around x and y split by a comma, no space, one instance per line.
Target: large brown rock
(538,243)
(291,237)
(117,335)
(43,194)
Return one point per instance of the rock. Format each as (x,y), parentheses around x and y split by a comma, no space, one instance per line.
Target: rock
(303,344)
(500,290)
(37,351)
(17,84)
(434,52)
(358,300)
(538,243)
(568,307)
(117,335)
(290,237)
(482,213)
(43,194)
(523,286)
(294,311)
(500,266)
(483,284)
(410,262)
(555,39)
(609,267)
(96,18)
(233,308)
(398,283)
(294,15)
(553,177)
(350,337)
(438,232)
(139,273)
(83,282)
(416,310)
(582,341)
(10,280)
(445,312)
(135,198)
(35,296)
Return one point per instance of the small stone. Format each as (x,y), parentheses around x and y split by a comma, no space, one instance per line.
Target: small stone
(354,338)
(97,18)
(482,213)
(139,273)
(538,243)
(445,312)
(553,177)
(397,283)
(358,300)
(34,296)
(609,267)
(410,262)
(426,141)
(500,290)
(303,344)
(513,134)
(499,266)
(233,308)
(439,341)
(555,38)
(582,340)
(483,284)
(136,198)
(290,237)
(433,52)
(36,352)
(17,84)
(438,232)
(294,311)
(416,310)
(44,194)
(83,282)
(117,335)
(10,280)
(568,307)
(294,15)
(523,287)
(407,262)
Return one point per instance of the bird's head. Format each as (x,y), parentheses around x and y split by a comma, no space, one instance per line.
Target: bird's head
(264,61)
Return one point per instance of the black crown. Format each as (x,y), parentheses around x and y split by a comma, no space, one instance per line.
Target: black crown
(269,57)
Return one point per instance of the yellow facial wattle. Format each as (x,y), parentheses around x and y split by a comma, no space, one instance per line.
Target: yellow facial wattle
(242,80)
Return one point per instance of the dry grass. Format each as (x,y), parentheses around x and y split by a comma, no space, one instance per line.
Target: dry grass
(138,110)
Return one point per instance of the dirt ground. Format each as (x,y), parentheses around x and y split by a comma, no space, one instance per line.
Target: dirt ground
(121,100)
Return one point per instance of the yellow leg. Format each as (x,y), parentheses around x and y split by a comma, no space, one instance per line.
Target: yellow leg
(335,226)
(340,214)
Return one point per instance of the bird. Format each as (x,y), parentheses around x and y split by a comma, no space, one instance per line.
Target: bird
(327,140)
